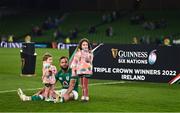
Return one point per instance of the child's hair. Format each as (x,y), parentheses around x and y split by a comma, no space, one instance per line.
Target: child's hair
(63,57)
(84,40)
(46,56)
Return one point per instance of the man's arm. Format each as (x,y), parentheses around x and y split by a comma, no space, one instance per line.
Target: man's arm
(67,95)
(71,86)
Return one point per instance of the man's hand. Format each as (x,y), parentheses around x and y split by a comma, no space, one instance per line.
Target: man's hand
(66,97)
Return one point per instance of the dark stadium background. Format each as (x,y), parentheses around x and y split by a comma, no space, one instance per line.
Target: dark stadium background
(91,4)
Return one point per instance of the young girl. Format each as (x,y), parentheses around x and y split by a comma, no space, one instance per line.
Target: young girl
(82,66)
(48,77)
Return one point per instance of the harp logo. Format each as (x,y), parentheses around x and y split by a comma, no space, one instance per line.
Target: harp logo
(114,52)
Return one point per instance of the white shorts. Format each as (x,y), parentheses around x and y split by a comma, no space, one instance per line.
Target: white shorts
(63,91)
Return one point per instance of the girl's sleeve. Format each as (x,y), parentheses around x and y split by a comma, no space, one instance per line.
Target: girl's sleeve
(74,61)
(74,64)
(44,73)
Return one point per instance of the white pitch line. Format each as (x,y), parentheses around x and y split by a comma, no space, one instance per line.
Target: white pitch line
(106,83)
(93,84)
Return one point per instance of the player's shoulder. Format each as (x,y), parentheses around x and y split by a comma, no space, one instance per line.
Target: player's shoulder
(69,70)
(59,73)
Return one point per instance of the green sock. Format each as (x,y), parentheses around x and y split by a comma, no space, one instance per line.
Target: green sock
(36,98)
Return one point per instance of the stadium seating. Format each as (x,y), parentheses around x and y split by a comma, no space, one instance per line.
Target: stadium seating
(123,31)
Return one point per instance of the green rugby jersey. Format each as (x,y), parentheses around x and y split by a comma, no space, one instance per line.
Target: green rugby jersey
(64,79)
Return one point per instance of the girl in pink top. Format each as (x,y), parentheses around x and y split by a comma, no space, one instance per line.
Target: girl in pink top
(82,66)
(48,77)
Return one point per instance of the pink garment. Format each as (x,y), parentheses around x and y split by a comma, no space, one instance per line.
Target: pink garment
(82,63)
(49,74)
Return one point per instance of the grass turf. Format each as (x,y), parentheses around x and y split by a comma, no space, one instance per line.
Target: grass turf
(126,97)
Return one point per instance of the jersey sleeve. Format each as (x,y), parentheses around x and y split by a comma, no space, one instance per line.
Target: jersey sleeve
(74,63)
(75,60)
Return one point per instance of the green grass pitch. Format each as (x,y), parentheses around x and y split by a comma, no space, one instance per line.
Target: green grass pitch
(119,97)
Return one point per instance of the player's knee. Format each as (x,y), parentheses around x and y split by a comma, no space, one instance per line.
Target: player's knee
(75,94)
